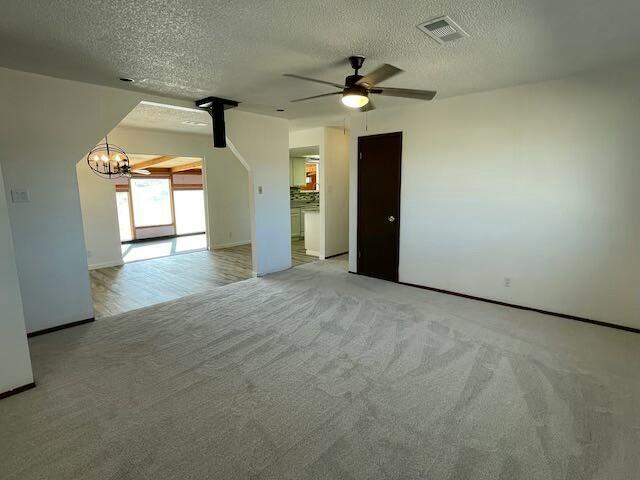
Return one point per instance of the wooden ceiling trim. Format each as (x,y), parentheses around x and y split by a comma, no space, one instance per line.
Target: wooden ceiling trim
(188,166)
(153,161)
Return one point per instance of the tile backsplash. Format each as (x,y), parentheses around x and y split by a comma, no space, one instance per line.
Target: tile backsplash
(297,195)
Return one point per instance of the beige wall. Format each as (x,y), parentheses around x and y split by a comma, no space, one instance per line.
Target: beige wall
(537,183)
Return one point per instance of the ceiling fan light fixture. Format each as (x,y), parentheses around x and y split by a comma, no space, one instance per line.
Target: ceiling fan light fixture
(356,89)
(355,97)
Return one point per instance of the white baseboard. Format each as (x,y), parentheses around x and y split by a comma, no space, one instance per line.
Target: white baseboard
(313,253)
(227,245)
(96,266)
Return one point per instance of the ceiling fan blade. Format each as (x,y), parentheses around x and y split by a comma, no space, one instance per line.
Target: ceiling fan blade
(316,96)
(369,106)
(405,93)
(337,85)
(140,171)
(380,74)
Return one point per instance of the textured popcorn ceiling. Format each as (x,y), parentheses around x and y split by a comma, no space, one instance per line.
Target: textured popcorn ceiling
(162,118)
(239,49)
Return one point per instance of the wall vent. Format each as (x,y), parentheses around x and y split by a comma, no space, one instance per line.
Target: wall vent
(443,29)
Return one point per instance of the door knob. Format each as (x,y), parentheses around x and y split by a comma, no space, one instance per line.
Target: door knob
(392,218)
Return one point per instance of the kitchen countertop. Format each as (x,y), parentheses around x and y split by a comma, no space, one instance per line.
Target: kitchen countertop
(305,206)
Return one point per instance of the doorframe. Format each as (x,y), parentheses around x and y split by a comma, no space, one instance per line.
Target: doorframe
(399,198)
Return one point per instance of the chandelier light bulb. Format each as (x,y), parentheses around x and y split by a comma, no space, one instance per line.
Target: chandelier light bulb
(109,161)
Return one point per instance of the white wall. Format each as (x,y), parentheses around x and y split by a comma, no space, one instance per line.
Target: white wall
(99,218)
(47,124)
(539,183)
(228,200)
(309,137)
(333,146)
(262,144)
(14,351)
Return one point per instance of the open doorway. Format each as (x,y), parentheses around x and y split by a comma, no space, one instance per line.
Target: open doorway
(304,196)
(320,182)
(182,227)
(161,213)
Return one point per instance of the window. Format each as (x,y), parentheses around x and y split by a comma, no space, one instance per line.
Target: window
(151,201)
(189,206)
(124,216)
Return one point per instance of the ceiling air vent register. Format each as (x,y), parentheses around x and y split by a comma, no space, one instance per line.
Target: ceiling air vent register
(443,29)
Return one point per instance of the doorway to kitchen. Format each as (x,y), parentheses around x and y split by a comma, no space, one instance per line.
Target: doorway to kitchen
(304,195)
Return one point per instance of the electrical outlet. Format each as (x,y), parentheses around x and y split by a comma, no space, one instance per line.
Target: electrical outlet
(20,196)
(259,189)
(507,282)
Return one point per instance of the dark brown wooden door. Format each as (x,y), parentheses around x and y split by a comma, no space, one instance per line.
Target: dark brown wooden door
(379,170)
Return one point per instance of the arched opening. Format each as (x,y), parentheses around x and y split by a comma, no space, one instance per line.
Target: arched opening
(182,227)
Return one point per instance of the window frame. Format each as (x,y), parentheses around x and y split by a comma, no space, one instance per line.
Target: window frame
(173,187)
(171,206)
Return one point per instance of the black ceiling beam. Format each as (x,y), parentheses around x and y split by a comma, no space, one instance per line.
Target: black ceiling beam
(216,107)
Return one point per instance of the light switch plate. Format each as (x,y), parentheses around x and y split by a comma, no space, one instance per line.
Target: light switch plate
(20,195)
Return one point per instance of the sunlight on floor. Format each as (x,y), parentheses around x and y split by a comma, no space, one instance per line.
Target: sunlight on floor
(133,252)
(192,242)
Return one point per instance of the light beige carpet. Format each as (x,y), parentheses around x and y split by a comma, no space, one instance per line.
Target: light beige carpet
(315,373)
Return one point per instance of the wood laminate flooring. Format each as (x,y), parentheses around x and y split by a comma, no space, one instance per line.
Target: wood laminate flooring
(299,253)
(134,252)
(135,285)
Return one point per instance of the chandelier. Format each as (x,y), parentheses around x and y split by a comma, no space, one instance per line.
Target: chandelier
(109,161)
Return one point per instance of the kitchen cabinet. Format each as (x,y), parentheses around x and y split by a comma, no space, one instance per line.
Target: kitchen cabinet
(312,232)
(297,171)
(296,222)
